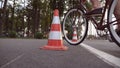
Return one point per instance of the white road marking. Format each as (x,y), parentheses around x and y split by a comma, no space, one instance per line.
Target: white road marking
(18,57)
(110,59)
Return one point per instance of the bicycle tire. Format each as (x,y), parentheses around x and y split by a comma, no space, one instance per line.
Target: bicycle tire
(112,27)
(70,23)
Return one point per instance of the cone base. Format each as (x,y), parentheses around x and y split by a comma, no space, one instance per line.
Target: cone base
(60,48)
(74,40)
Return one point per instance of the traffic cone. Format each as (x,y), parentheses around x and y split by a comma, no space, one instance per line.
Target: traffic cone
(74,39)
(55,36)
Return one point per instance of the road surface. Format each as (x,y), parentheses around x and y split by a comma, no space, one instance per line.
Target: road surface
(26,53)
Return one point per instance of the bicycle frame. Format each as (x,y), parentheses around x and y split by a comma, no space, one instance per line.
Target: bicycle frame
(78,18)
(102,24)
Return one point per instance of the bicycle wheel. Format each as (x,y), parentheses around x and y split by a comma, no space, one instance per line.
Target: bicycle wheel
(74,26)
(113,26)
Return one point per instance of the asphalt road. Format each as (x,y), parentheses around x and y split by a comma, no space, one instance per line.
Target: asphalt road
(105,45)
(26,53)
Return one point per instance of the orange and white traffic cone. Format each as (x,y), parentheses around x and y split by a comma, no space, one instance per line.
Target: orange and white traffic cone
(74,39)
(55,36)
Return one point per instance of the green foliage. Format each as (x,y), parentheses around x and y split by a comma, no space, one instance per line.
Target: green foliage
(88,5)
(31,14)
(58,4)
(12,34)
(39,35)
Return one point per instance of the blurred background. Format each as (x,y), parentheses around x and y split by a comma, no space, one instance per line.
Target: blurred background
(32,18)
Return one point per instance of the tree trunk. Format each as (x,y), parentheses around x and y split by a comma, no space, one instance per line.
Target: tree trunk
(12,17)
(3,16)
(35,16)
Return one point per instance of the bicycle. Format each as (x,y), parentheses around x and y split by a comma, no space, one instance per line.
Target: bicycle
(75,18)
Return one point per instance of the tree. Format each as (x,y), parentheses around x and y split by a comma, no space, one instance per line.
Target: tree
(35,15)
(58,4)
(3,13)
